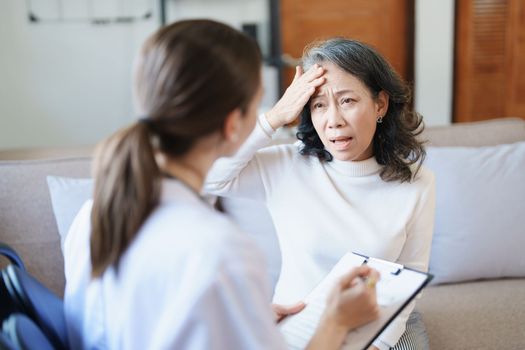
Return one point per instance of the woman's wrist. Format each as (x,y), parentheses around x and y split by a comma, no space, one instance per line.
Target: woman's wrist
(263,124)
(329,335)
(273,120)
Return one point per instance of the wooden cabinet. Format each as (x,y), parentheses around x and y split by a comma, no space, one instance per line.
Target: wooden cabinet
(489,65)
(385,24)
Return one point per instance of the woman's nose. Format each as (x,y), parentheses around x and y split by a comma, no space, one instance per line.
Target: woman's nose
(335,119)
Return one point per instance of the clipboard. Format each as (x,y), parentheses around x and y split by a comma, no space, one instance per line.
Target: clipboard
(397,287)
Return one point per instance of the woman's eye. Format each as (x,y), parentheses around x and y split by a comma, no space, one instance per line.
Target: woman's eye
(317,105)
(347,100)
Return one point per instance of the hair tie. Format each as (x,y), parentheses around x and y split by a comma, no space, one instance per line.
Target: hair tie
(143,120)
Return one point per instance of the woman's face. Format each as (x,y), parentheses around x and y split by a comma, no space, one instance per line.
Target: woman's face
(344,114)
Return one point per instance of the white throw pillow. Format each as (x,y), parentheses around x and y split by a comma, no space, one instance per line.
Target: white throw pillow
(67,197)
(254,218)
(480,212)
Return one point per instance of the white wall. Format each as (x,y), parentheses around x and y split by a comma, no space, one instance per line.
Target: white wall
(63,84)
(434,60)
(69,83)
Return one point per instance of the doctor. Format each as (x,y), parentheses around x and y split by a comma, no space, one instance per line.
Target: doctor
(151,265)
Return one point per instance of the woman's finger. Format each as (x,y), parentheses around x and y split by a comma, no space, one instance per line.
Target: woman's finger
(317,82)
(314,72)
(347,279)
(293,309)
(305,96)
(284,310)
(298,72)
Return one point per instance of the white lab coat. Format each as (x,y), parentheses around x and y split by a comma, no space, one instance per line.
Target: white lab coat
(189,280)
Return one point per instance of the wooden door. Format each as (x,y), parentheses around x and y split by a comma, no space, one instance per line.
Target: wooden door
(489,79)
(385,24)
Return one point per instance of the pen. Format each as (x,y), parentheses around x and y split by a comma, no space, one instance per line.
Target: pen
(370,282)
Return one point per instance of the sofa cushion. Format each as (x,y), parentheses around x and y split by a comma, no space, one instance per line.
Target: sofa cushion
(476,315)
(26,217)
(480,226)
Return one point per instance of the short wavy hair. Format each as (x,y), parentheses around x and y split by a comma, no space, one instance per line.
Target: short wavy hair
(394,142)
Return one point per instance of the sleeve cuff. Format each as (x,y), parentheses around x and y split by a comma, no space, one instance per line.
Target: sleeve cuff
(381,345)
(265,126)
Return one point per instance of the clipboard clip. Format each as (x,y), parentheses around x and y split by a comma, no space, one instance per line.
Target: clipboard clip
(394,268)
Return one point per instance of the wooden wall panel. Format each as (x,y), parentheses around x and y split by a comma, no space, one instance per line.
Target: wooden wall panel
(516,63)
(489,60)
(385,24)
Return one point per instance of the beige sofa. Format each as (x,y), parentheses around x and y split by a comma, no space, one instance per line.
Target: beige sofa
(474,315)
(487,314)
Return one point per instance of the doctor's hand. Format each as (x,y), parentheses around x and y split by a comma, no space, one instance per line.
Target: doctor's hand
(281,311)
(353,301)
(303,86)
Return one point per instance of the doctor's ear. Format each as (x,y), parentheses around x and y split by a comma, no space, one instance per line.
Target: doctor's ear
(232,126)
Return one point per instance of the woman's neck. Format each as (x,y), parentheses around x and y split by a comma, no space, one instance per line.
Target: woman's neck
(191,175)
(191,168)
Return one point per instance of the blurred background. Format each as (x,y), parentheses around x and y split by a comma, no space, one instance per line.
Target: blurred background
(65,65)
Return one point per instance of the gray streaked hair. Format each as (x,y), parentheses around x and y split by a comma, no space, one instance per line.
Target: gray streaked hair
(352,56)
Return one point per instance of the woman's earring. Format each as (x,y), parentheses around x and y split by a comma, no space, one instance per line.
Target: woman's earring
(379,119)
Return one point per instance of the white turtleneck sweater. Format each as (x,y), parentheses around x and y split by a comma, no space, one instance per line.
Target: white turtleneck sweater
(321,210)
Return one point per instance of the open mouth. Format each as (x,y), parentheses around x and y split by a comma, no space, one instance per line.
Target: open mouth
(341,142)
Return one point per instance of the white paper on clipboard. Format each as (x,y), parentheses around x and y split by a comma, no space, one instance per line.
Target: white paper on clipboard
(395,289)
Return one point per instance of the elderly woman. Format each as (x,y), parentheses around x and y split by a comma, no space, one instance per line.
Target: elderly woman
(353,182)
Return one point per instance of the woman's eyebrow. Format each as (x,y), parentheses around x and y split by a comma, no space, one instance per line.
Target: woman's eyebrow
(344,91)
(338,93)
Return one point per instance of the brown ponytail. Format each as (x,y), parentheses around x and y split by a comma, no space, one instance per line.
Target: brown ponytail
(127,189)
(190,76)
